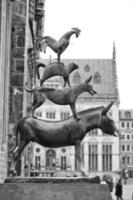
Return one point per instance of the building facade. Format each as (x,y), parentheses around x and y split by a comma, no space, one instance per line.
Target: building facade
(126,141)
(16,67)
(100,152)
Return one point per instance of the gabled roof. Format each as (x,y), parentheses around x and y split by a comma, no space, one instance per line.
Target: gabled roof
(104,70)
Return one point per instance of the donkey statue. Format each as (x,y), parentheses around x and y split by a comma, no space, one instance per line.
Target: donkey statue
(69,132)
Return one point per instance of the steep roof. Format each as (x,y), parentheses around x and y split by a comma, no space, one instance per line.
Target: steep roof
(104,76)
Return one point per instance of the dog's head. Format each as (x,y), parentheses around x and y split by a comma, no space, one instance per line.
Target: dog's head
(89,88)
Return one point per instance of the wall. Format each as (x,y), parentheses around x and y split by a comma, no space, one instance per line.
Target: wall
(5,22)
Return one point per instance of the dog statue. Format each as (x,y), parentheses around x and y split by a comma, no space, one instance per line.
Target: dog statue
(65,96)
(57,69)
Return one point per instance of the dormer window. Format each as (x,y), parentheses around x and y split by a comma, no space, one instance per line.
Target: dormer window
(76,78)
(127,114)
(97,78)
(87,68)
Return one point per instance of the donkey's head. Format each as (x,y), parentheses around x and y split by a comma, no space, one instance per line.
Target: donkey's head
(107,123)
(89,87)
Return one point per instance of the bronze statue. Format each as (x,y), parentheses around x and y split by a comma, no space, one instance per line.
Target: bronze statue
(57,46)
(65,96)
(69,132)
(56,69)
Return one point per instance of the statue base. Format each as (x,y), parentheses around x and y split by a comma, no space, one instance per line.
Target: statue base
(54,189)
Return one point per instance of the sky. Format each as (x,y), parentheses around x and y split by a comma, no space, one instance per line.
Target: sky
(102,22)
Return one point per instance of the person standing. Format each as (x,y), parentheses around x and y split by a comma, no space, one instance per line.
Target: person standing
(125,176)
(119,190)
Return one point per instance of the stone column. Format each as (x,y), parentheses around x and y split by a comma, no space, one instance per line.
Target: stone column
(5,27)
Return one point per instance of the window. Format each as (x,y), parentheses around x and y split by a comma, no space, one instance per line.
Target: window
(37,162)
(123,160)
(128,137)
(64,115)
(50,115)
(93,132)
(128,160)
(87,68)
(127,114)
(122,136)
(93,157)
(83,153)
(63,162)
(107,157)
(127,125)
(39,114)
(50,159)
(76,78)
(122,124)
(97,78)
(38,150)
(128,147)
(123,147)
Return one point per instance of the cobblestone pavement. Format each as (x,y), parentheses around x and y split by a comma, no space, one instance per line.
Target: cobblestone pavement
(127,191)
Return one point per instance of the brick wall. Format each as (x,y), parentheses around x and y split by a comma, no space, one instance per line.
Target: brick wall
(3,162)
(17,60)
(19,69)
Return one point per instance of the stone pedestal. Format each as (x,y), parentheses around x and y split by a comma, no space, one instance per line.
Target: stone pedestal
(53,189)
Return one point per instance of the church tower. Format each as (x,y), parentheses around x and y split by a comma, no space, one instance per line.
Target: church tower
(114,52)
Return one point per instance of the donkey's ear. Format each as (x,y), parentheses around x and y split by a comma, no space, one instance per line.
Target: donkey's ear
(107,108)
(89,79)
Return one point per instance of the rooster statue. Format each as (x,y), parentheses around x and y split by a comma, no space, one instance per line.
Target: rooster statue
(57,46)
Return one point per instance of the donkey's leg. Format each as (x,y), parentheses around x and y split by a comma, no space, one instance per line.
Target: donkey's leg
(78,156)
(68,81)
(16,154)
(72,105)
(19,150)
(58,57)
(65,81)
(12,168)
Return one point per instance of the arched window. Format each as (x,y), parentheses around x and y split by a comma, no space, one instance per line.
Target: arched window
(76,78)
(50,159)
(97,78)
(86,68)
